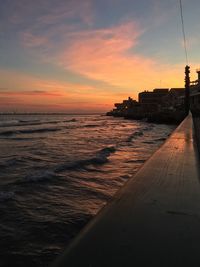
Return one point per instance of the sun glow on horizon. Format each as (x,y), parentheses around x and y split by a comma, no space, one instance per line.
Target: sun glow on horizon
(76,57)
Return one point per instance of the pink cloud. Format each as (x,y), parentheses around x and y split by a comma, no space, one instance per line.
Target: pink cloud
(105,55)
(109,55)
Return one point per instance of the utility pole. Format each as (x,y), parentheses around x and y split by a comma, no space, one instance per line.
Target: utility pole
(187,89)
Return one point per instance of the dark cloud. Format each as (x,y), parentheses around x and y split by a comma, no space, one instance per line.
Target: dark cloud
(33,92)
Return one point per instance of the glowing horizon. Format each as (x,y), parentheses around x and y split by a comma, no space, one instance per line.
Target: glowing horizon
(83,56)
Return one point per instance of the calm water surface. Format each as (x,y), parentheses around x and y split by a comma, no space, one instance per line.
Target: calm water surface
(57,172)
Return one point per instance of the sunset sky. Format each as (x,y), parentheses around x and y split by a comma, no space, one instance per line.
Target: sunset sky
(84,55)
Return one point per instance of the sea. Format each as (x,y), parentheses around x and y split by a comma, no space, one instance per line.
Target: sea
(57,172)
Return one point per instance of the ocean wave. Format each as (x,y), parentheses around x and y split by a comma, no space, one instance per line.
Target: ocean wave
(136,161)
(28,131)
(56,122)
(13,123)
(30,121)
(10,162)
(90,126)
(149,142)
(125,176)
(160,139)
(8,123)
(101,157)
(149,127)
(6,195)
(135,134)
(20,123)
(24,138)
(18,160)
(40,176)
(72,120)
(36,120)
(94,192)
(154,141)
(81,126)
(42,130)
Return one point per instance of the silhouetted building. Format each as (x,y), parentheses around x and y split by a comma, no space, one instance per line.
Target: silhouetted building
(153,97)
(150,101)
(196,82)
(174,98)
(195,95)
(123,108)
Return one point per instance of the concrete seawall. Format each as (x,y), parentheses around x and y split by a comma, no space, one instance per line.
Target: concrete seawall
(154,220)
(196,121)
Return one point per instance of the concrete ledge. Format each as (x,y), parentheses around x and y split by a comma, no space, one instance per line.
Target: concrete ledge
(154,220)
(196,121)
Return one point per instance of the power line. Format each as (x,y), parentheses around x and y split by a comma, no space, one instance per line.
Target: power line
(183,31)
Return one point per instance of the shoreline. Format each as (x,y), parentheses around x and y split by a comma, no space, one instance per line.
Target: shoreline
(173,118)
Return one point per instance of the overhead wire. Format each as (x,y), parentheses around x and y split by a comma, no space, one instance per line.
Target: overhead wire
(183,31)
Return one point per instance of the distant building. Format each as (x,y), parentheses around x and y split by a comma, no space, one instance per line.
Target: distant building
(124,107)
(160,105)
(153,97)
(195,101)
(174,98)
(195,94)
(196,82)
(150,101)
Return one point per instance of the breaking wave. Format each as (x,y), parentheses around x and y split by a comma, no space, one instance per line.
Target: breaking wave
(100,158)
